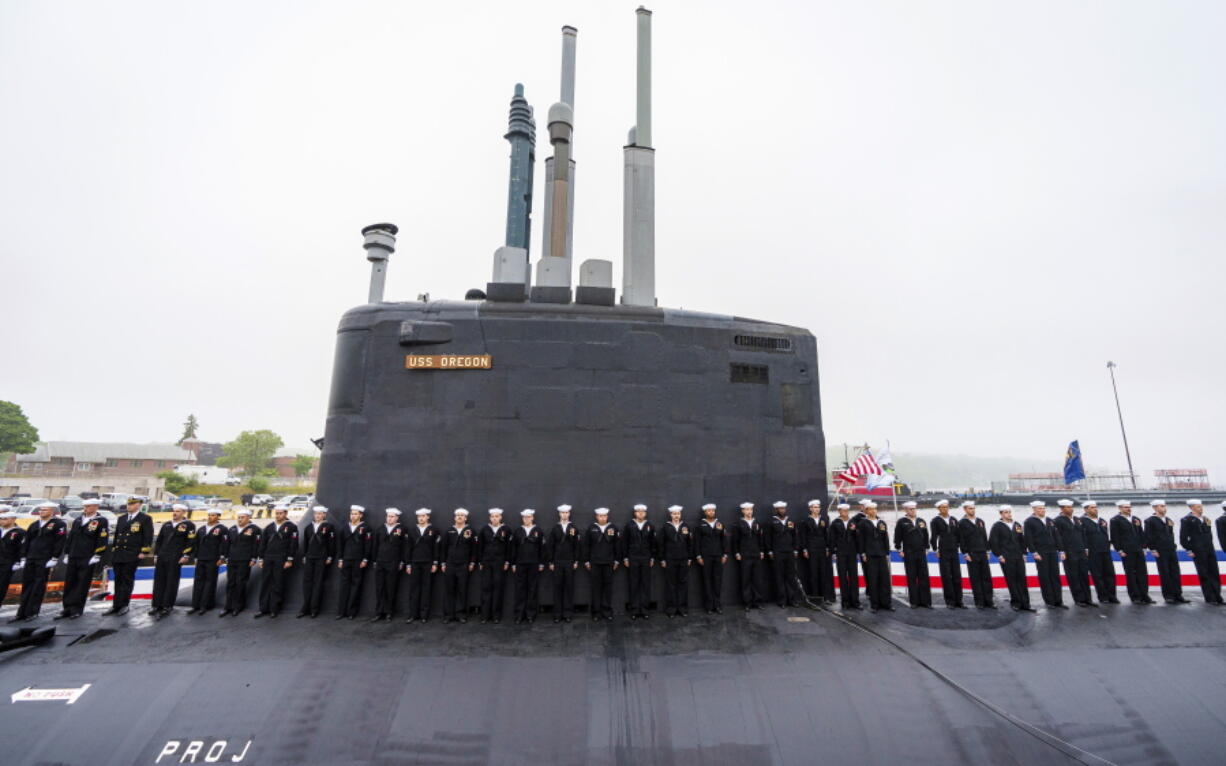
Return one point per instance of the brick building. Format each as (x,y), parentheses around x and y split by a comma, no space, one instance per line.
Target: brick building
(56,469)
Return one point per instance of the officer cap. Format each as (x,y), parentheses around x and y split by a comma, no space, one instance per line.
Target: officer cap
(746,505)
(392,512)
(602,511)
(1090,504)
(844,507)
(780,504)
(563,508)
(909,504)
(134,501)
(968,503)
(527,512)
(709,507)
(674,509)
(178,507)
(1123,503)
(243,512)
(423,511)
(357,508)
(91,501)
(1195,502)
(461,511)
(640,507)
(492,511)
(814,502)
(1064,503)
(1037,504)
(48,504)
(1004,508)
(319,508)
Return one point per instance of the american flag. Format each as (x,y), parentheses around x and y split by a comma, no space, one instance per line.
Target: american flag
(864,465)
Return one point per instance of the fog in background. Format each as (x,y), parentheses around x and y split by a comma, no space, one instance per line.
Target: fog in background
(972,206)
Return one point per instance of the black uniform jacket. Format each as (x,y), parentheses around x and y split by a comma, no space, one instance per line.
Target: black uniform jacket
(1097,534)
(87,537)
(639,545)
(319,541)
(528,546)
(945,534)
(212,544)
(1160,534)
(1069,537)
(244,543)
(1040,538)
(712,539)
(494,545)
(815,534)
(279,542)
(872,537)
(602,547)
(133,538)
(565,544)
(1195,534)
(11,545)
(389,545)
(458,546)
(911,536)
(175,540)
(747,538)
(779,536)
(676,543)
(45,539)
(355,544)
(1007,540)
(1127,533)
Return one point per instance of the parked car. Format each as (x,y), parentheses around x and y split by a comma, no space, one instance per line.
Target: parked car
(291,500)
(114,501)
(29,504)
(70,503)
(261,499)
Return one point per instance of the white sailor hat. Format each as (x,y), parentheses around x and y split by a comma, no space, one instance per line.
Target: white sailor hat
(492,511)
(1157,502)
(843,507)
(709,507)
(527,512)
(358,508)
(563,508)
(1123,503)
(1089,503)
(674,509)
(319,509)
(243,512)
(175,507)
(640,507)
(814,502)
(10,514)
(942,501)
(746,505)
(909,504)
(780,504)
(392,511)
(1195,502)
(1064,503)
(1037,504)
(422,512)
(871,504)
(461,511)
(1004,508)
(91,501)
(214,511)
(968,503)
(5,507)
(602,511)
(865,502)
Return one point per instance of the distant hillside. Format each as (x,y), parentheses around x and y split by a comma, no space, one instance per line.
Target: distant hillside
(955,472)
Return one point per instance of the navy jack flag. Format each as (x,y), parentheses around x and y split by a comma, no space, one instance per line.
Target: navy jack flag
(1073,470)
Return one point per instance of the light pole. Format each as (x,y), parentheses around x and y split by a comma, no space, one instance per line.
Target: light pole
(1128,454)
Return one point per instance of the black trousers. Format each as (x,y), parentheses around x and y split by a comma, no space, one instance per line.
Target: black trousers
(78,574)
(272,585)
(33,587)
(787,584)
(527,591)
(6,577)
(125,580)
(877,581)
(313,573)
(166,575)
(1102,569)
(712,573)
(563,589)
(1077,572)
(638,589)
(601,587)
(751,595)
(1136,575)
(950,564)
(455,591)
(1168,574)
(238,574)
(676,587)
(1014,570)
(493,588)
(820,575)
(349,596)
(980,573)
(1047,565)
(421,585)
(387,582)
(204,586)
(1209,575)
(919,589)
(848,567)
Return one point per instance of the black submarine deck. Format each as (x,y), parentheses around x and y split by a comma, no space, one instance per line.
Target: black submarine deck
(1119,684)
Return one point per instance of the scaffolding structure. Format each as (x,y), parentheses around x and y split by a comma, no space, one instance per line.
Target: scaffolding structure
(1054,482)
(1182,478)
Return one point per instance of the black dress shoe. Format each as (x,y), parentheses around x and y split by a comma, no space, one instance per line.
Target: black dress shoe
(1029,609)
(154,612)
(376,618)
(556,620)
(75,615)
(566,619)
(339,617)
(719,611)
(497,620)
(258,615)
(1183,600)
(464,620)
(990,606)
(1060,606)
(16,619)
(192,611)
(224,613)
(314,615)
(424,620)
(1113,601)
(273,615)
(300,615)
(353,616)
(61,616)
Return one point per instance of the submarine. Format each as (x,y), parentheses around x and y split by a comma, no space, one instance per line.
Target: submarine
(535,392)
(527,395)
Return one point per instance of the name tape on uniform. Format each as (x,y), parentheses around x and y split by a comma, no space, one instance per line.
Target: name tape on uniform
(448,362)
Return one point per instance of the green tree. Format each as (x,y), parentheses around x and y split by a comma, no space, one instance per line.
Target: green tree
(189,429)
(302,465)
(175,483)
(16,433)
(257,484)
(251,452)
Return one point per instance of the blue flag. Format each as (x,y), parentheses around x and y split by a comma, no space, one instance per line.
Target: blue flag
(1073,470)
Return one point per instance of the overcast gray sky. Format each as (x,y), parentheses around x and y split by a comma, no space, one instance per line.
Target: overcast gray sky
(973,206)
